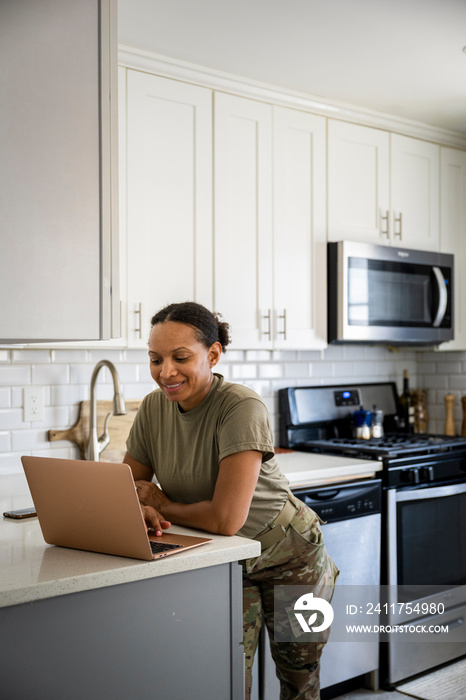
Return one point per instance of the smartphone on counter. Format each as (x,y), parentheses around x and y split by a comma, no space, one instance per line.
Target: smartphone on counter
(20,514)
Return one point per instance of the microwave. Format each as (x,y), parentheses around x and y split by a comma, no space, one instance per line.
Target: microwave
(388,295)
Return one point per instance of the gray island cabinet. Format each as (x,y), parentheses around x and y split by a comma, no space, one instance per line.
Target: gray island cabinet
(80,625)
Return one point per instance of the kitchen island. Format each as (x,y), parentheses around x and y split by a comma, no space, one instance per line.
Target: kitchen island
(79,624)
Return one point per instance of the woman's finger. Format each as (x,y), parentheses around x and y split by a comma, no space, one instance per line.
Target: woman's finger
(155,520)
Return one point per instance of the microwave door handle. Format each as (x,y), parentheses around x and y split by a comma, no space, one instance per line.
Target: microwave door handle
(443,296)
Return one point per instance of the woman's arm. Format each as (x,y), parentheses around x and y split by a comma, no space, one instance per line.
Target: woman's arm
(140,471)
(228,510)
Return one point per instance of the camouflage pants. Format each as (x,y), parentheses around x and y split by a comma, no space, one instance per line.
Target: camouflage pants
(299,559)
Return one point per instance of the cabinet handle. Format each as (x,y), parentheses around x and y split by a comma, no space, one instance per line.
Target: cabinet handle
(400,221)
(269,325)
(283,332)
(138,312)
(387,230)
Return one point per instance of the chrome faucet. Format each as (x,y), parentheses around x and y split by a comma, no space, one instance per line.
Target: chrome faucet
(95,444)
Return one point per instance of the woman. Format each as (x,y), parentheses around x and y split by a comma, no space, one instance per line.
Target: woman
(210,446)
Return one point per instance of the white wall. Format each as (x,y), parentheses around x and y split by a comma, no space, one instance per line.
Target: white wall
(64,376)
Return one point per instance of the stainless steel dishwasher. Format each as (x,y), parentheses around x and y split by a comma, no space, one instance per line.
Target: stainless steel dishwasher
(352,536)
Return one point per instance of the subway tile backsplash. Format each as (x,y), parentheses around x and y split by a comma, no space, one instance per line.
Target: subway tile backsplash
(64,376)
(442,373)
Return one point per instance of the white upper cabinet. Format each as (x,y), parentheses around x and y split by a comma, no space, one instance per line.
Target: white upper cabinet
(270,249)
(358,183)
(382,188)
(169,198)
(299,230)
(243,219)
(58,171)
(415,192)
(453,233)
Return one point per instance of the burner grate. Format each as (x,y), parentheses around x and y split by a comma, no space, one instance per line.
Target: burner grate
(397,444)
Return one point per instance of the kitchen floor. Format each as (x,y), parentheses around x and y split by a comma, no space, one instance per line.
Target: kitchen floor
(446,682)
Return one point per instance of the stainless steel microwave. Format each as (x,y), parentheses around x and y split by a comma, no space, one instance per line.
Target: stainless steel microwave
(389,295)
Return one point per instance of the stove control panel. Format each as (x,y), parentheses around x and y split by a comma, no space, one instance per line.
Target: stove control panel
(425,471)
(347,397)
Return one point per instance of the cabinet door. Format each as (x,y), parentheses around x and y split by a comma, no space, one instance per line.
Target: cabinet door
(299,236)
(358,183)
(243,219)
(169,197)
(415,192)
(57,171)
(453,233)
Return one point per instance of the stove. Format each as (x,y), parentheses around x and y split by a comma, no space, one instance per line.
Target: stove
(423,544)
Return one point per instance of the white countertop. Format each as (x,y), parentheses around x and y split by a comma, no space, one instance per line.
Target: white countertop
(31,570)
(311,468)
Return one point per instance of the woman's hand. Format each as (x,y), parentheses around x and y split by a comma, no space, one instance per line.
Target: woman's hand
(153,519)
(150,494)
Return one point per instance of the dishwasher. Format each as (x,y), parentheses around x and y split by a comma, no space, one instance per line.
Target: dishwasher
(352,537)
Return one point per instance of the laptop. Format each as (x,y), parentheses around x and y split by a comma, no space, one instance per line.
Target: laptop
(94,506)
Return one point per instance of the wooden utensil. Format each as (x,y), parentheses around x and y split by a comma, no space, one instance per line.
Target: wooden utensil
(449,421)
(118,429)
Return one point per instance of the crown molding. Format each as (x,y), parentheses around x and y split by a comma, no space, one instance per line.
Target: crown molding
(149,62)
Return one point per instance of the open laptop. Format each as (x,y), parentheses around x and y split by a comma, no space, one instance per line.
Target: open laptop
(94,506)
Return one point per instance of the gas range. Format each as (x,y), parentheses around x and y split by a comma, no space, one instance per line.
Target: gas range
(423,479)
(319,419)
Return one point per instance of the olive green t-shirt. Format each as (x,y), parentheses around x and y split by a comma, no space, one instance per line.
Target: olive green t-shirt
(185,449)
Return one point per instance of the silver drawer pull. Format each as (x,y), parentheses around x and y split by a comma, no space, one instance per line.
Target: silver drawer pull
(387,229)
(138,312)
(269,324)
(283,332)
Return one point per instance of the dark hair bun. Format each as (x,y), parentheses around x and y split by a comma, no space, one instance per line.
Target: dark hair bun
(209,325)
(223,332)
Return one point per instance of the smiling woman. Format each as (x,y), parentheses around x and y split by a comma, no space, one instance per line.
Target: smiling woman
(209,445)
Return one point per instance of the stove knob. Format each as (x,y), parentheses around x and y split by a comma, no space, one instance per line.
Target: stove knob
(427,473)
(414,475)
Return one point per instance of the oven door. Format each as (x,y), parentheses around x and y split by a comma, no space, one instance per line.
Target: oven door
(426,558)
(426,540)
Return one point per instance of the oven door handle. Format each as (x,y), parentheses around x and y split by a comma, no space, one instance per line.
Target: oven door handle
(430,492)
(451,625)
(442,296)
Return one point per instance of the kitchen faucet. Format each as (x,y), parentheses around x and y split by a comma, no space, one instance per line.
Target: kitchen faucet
(95,444)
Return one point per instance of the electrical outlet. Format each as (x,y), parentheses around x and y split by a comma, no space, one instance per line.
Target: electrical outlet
(33,403)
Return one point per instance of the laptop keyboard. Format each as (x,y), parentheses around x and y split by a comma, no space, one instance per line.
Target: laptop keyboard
(158,547)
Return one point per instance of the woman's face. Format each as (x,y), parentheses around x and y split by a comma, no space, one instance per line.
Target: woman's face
(180,364)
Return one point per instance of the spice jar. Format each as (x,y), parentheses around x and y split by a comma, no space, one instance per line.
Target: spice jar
(362,421)
(377,423)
